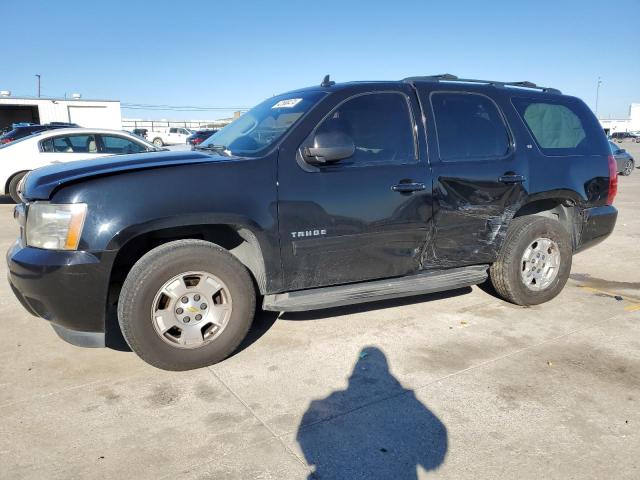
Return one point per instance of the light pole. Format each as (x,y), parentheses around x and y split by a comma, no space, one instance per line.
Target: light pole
(38,77)
(598,95)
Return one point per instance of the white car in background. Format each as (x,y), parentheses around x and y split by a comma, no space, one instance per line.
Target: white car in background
(169,136)
(59,146)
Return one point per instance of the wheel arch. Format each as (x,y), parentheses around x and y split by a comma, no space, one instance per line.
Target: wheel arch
(239,240)
(564,206)
(10,177)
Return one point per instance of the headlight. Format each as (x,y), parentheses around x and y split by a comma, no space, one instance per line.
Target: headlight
(55,227)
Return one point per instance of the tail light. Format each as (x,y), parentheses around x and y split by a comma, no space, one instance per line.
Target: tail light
(613,180)
(6,140)
(197,140)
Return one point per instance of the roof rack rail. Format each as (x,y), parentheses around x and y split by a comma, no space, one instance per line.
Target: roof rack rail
(447,77)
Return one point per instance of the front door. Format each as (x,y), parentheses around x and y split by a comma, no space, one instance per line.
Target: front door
(363,217)
(480,179)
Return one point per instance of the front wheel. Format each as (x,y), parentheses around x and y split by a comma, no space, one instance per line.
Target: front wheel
(535,261)
(186,304)
(628,168)
(13,186)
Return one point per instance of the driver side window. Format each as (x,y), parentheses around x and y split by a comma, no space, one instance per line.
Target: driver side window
(380,126)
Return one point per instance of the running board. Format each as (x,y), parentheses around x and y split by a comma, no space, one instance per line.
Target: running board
(423,282)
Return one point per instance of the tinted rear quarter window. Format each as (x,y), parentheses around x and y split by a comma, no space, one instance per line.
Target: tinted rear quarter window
(562,127)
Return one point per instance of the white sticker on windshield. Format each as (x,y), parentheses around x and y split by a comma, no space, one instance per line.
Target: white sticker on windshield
(288,103)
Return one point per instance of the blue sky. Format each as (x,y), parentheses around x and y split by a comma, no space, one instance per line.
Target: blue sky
(234,54)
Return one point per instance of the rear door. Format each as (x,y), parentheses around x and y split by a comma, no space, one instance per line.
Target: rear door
(363,217)
(480,179)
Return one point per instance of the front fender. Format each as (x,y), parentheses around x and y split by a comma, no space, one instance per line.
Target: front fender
(124,206)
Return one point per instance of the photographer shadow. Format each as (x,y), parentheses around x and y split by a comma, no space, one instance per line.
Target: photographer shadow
(375,428)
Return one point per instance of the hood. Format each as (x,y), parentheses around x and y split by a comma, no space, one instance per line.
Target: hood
(40,183)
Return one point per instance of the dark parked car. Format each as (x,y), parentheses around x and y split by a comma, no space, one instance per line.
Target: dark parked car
(621,136)
(26,130)
(624,160)
(140,132)
(324,196)
(199,137)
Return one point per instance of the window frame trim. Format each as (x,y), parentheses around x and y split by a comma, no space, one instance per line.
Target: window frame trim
(412,121)
(510,136)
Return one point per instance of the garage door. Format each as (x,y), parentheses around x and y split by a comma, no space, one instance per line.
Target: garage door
(10,114)
(89,117)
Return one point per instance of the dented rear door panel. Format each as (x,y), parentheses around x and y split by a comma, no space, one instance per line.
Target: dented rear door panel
(473,202)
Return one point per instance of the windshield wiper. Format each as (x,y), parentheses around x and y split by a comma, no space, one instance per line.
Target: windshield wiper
(215,148)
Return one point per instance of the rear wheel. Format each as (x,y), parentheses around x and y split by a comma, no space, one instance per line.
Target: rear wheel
(628,168)
(535,261)
(13,186)
(158,142)
(186,304)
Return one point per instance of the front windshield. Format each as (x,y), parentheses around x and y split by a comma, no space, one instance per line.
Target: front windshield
(258,129)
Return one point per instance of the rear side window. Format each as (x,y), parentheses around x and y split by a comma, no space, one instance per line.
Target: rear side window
(469,127)
(561,128)
(70,144)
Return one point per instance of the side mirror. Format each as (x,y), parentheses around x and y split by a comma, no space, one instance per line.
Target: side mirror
(329,147)
(622,150)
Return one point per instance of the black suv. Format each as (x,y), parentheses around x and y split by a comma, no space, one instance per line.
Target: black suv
(26,130)
(319,197)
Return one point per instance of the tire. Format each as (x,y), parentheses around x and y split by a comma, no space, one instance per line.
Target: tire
(13,186)
(140,291)
(628,168)
(158,142)
(508,271)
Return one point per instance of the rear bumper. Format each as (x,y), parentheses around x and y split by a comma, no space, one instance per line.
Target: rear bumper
(69,289)
(597,224)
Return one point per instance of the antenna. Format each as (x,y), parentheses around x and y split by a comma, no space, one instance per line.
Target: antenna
(326,82)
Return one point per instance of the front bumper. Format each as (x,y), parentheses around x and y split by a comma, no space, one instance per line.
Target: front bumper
(68,288)
(597,224)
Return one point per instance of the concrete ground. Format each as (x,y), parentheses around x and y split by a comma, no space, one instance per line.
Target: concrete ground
(457,385)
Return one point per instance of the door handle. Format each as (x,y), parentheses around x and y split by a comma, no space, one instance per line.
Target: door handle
(512,178)
(408,187)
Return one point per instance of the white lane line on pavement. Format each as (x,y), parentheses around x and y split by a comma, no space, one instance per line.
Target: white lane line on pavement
(246,405)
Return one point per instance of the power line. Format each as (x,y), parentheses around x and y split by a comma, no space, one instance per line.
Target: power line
(181,108)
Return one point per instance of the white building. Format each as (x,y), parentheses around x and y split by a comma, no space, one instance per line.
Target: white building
(86,113)
(631,124)
(131,123)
